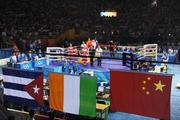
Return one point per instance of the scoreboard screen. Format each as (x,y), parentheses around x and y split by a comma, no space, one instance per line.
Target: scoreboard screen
(108,14)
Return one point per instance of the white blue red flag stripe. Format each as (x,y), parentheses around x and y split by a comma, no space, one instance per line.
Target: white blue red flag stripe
(23,87)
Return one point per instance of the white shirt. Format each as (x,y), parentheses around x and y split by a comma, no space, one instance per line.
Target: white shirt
(98,52)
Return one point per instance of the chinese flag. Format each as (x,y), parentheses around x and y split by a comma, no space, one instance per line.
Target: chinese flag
(141,93)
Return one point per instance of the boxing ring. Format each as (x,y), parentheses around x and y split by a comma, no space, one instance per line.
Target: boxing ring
(56,59)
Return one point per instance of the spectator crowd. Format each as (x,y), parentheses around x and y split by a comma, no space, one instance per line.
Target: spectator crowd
(137,22)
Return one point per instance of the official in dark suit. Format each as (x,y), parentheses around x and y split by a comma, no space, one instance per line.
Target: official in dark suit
(91,53)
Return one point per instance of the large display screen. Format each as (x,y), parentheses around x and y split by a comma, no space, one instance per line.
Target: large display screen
(108,14)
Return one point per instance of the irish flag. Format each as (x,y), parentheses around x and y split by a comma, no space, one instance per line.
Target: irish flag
(73,94)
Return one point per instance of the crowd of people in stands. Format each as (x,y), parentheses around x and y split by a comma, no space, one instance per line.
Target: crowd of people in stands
(137,22)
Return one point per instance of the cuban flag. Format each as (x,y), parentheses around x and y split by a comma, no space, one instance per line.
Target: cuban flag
(23,87)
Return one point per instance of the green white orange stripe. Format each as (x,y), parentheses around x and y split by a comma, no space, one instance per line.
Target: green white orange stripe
(73,94)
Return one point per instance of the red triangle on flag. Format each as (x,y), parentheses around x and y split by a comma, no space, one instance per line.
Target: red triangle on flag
(35,89)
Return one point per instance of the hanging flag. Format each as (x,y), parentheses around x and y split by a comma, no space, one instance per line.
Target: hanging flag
(23,87)
(141,93)
(73,94)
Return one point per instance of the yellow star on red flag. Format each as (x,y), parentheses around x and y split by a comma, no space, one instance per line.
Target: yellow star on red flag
(159,86)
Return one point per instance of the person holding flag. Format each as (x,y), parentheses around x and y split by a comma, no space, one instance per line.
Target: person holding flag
(84,52)
(83,45)
(89,43)
(70,52)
